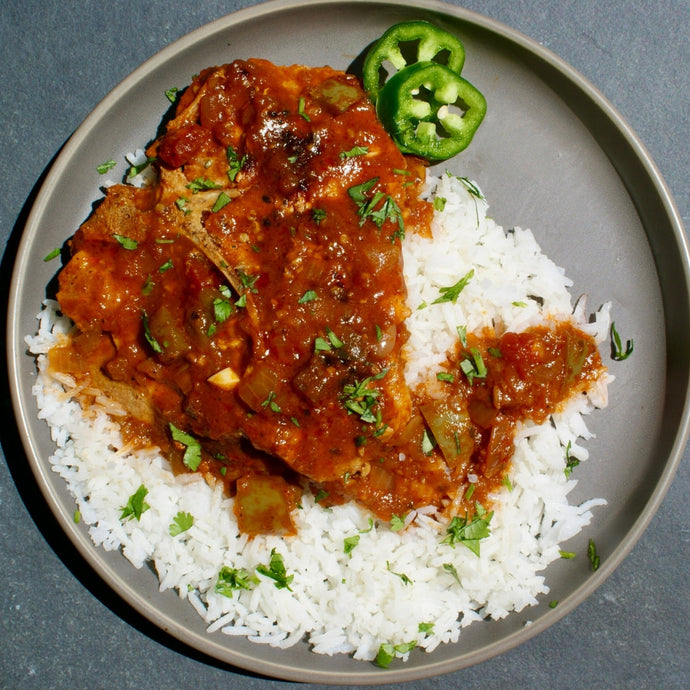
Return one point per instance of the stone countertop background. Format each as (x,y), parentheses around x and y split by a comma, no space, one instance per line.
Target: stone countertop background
(57,61)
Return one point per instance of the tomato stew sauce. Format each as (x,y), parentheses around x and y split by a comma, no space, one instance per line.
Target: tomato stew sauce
(248,310)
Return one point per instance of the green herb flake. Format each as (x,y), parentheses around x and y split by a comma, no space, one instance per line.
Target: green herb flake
(181,203)
(171,94)
(354,151)
(568,555)
(368,529)
(470,491)
(103,168)
(222,309)
(445,376)
(200,184)
(271,403)
(439,203)
(377,208)
(147,287)
(462,334)
(76,517)
(427,443)
(235,164)
(617,352)
(275,570)
(349,543)
(317,215)
(134,170)
(553,604)
(387,652)
(450,568)
(397,522)
(126,242)
(300,110)
(150,339)
(52,255)
(361,400)
(469,532)
(308,296)
(222,201)
(507,483)
(593,556)
(425,628)
(136,505)
(233,579)
(166,266)
(473,366)
(192,453)
(404,578)
(571,462)
(181,523)
(519,304)
(451,293)
(321,495)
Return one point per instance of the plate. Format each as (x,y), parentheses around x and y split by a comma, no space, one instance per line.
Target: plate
(552,155)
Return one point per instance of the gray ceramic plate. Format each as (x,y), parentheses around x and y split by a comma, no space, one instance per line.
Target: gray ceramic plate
(551,155)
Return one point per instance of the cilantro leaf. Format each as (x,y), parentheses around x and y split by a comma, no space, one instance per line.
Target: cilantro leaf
(276,571)
(136,505)
(469,532)
(192,453)
(451,293)
(232,579)
(181,523)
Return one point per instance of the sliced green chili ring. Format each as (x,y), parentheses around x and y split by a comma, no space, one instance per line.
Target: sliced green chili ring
(430,111)
(405,44)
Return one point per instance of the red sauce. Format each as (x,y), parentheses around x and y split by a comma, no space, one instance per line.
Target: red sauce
(259,306)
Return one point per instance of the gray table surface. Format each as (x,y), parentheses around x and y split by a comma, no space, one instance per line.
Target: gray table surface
(63,630)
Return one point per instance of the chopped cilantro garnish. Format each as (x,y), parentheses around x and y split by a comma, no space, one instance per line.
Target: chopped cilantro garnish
(354,151)
(592,555)
(52,255)
(450,568)
(222,309)
(387,652)
(308,296)
(200,184)
(181,523)
(192,453)
(425,627)
(232,579)
(439,203)
(103,168)
(276,571)
(150,339)
(271,403)
(571,462)
(126,242)
(317,215)
(181,203)
(397,522)
(166,266)
(235,164)
(222,201)
(300,110)
(427,443)
(445,376)
(349,543)
(617,352)
(320,495)
(379,208)
(451,293)
(469,532)
(473,366)
(569,555)
(171,94)
(135,505)
(405,579)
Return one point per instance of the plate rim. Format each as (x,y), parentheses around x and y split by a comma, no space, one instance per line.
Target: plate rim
(39,465)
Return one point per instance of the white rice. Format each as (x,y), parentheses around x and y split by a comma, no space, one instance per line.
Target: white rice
(339,603)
